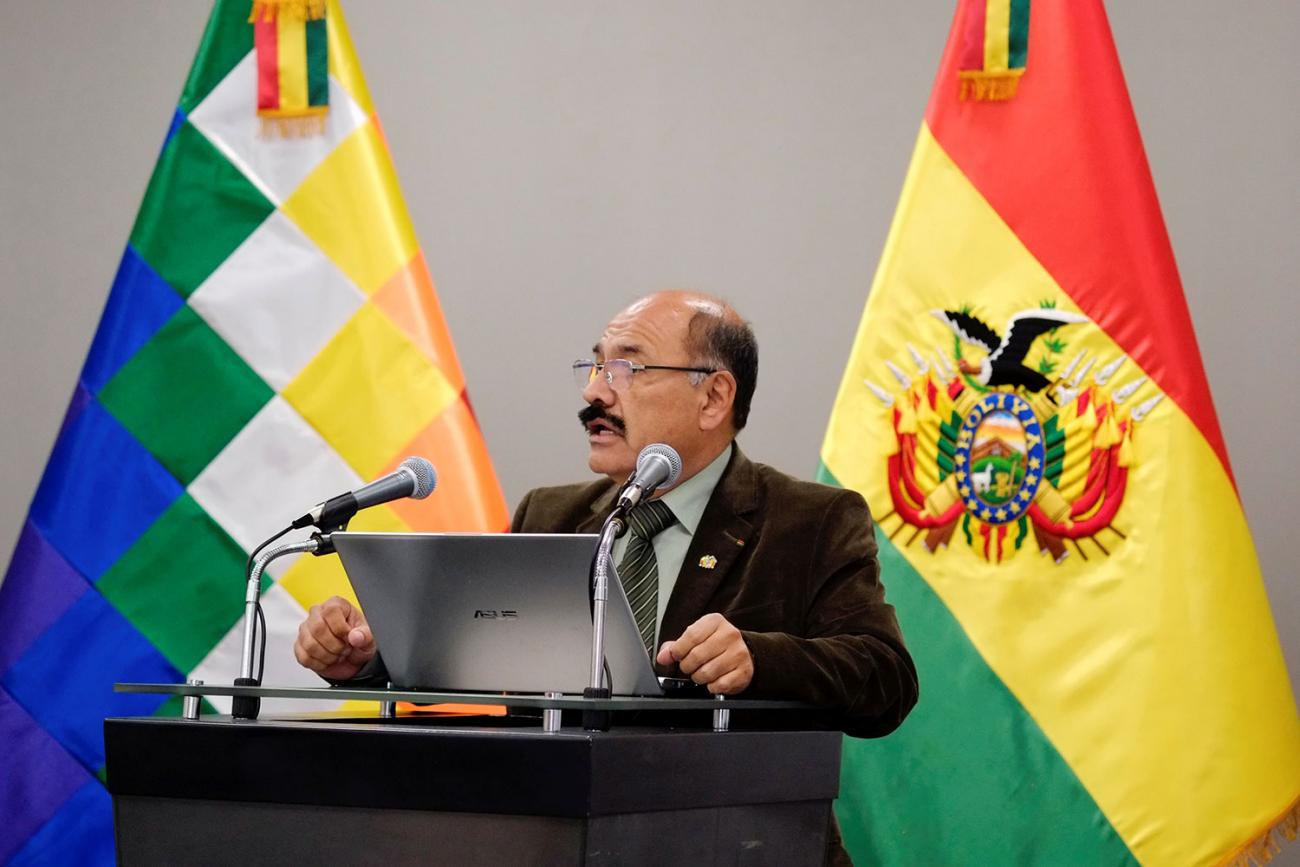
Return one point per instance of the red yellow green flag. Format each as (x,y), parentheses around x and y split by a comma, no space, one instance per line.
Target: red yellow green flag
(292,44)
(1026,412)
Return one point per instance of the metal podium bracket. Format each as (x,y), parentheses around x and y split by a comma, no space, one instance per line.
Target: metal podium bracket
(191,704)
(551,716)
(721,716)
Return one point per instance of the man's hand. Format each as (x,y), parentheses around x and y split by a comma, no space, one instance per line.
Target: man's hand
(711,651)
(334,641)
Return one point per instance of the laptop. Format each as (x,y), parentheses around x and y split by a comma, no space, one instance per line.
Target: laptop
(477,612)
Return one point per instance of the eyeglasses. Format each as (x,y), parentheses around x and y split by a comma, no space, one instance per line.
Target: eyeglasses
(618,372)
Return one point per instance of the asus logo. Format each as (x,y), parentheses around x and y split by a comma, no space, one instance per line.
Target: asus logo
(488,614)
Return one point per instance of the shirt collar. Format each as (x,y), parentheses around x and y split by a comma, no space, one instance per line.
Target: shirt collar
(689,499)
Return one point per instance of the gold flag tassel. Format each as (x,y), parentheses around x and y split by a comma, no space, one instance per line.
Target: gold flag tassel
(989,86)
(299,10)
(1261,849)
(293,126)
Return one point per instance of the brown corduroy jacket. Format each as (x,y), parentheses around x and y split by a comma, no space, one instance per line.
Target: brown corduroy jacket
(793,565)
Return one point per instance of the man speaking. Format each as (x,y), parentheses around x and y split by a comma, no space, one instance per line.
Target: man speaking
(740,577)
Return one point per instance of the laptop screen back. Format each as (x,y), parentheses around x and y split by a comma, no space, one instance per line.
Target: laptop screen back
(490,612)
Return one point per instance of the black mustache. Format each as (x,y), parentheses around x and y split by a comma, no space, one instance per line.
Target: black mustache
(594,411)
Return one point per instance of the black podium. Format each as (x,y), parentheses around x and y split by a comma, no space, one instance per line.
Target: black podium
(469,790)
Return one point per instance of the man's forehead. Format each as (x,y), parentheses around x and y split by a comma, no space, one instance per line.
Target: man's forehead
(618,348)
(706,305)
(675,302)
(623,345)
(650,325)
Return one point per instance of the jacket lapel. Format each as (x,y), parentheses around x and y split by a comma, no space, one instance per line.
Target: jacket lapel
(721,537)
(600,509)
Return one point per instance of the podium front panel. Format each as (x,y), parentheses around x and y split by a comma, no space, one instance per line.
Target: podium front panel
(480,791)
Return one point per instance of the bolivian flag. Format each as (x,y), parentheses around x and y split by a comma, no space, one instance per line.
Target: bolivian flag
(1026,411)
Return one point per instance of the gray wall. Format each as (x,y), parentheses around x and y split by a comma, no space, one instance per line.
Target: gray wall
(560,158)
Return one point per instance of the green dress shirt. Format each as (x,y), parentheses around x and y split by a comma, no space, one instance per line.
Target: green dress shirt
(687,500)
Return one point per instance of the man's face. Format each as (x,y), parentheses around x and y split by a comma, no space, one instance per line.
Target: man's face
(656,405)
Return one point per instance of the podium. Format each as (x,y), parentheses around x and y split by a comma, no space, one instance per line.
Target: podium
(469,790)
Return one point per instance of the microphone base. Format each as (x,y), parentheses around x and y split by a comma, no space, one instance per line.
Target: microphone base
(596,720)
(246,706)
(324,541)
(618,519)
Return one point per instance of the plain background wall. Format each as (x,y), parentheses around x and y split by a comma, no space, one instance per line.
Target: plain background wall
(561,158)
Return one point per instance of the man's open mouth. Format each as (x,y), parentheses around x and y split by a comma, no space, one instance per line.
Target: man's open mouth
(599,424)
(599,428)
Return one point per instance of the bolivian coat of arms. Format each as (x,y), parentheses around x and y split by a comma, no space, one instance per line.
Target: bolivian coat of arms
(996,448)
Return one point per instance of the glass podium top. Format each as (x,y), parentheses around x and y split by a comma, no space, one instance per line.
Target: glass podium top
(510,700)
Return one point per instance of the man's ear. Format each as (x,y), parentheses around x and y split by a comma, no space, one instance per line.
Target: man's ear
(719,393)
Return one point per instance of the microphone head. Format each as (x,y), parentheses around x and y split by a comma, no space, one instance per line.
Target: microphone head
(426,477)
(660,452)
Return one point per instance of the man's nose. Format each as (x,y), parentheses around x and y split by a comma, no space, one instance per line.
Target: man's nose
(599,391)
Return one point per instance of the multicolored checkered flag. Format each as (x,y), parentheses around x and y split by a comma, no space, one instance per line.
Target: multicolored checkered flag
(272,338)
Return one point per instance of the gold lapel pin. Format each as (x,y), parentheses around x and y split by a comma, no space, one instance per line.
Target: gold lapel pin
(708,561)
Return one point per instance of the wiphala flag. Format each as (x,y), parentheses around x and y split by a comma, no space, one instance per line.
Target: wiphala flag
(272,338)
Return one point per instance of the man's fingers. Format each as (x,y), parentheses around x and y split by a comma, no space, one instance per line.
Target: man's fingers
(360,637)
(730,672)
(713,652)
(701,629)
(334,624)
(314,650)
(711,643)
(728,658)
(334,640)
(696,633)
(324,636)
(355,616)
(311,657)
(731,683)
(665,654)
(708,654)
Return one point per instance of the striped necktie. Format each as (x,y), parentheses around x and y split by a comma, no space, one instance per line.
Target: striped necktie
(639,570)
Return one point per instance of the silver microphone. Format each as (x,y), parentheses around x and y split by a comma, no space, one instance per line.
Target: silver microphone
(415,478)
(657,466)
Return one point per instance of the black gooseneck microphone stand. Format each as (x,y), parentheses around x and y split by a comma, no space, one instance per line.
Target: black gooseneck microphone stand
(320,544)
